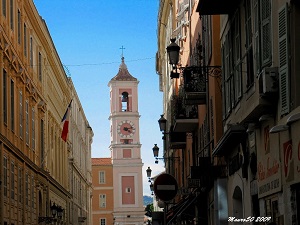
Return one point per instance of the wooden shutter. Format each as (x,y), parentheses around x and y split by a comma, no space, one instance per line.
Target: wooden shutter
(266,42)
(256,35)
(283,60)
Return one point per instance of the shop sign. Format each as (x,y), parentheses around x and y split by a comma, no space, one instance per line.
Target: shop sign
(268,166)
(291,159)
(194,183)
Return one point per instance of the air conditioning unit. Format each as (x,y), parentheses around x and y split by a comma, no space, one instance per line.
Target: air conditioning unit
(269,80)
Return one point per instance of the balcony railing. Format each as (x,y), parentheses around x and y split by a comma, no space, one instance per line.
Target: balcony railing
(216,7)
(185,117)
(194,86)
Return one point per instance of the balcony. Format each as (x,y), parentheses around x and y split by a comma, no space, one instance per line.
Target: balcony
(194,86)
(234,135)
(185,117)
(217,7)
(177,140)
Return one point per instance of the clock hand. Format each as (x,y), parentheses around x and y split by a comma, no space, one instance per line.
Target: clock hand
(127,129)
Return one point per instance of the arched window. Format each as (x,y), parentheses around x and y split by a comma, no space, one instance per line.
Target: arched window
(125,102)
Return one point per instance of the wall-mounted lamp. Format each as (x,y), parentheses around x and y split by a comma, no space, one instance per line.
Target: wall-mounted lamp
(173,52)
(155,150)
(148,171)
(278,128)
(151,188)
(55,211)
(162,122)
(265,117)
(293,118)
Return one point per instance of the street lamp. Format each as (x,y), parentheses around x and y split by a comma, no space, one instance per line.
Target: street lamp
(55,210)
(148,171)
(162,122)
(60,212)
(151,188)
(173,52)
(155,150)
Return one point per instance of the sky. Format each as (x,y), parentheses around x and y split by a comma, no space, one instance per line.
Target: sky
(88,36)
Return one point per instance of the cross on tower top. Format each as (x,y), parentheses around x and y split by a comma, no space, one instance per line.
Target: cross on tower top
(122,48)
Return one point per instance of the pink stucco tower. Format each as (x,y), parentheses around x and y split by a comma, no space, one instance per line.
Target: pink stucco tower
(125,148)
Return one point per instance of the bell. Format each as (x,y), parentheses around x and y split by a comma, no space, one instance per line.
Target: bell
(124,97)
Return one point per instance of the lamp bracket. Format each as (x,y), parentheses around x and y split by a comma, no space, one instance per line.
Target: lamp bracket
(213,71)
(47,219)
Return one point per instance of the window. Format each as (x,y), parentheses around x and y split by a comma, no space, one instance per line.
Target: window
(31,52)
(102,200)
(12,105)
(127,190)
(11,9)
(4,8)
(232,66)
(249,49)
(284,62)
(207,38)
(25,40)
(101,177)
(32,129)
(42,142)
(125,102)
(32,192)
(102,221)
(12,180)
(4,97)
(20,180)
(262,33)
(5,174)
(27,189)
(19,26)
(27,121)
(21,114)
(40,66)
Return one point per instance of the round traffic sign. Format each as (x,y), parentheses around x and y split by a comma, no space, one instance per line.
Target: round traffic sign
(165,187)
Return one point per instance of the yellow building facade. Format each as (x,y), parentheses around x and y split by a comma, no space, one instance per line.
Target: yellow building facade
(36,164)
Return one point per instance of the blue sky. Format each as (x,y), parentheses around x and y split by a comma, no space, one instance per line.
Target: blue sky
(88,35)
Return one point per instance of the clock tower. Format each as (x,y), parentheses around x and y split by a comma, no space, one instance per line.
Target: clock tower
(125,148)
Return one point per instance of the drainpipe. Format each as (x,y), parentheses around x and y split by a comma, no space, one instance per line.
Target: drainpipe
(1,186)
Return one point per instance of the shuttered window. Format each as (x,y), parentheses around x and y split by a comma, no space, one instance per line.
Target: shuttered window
(232,70)
(249,48)
(266,32)
(262,33)
(283,60)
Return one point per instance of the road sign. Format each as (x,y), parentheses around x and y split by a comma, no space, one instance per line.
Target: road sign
(165,187)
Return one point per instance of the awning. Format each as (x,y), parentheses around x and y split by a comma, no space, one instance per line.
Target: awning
(180,208)
(232,137)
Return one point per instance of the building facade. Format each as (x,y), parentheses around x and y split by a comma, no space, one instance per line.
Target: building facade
(36,174)
(103,198)
(243,156)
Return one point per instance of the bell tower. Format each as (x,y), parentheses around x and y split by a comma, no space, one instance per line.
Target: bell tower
(125,148)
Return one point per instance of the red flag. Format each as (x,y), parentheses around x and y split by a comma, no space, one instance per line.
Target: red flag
(65,121)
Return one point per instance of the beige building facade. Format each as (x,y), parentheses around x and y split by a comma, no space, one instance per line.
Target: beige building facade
(37,168)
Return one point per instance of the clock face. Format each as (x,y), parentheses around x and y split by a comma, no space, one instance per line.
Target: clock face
(126,129)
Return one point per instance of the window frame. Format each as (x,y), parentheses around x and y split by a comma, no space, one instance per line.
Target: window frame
(102,200)
(102,177)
